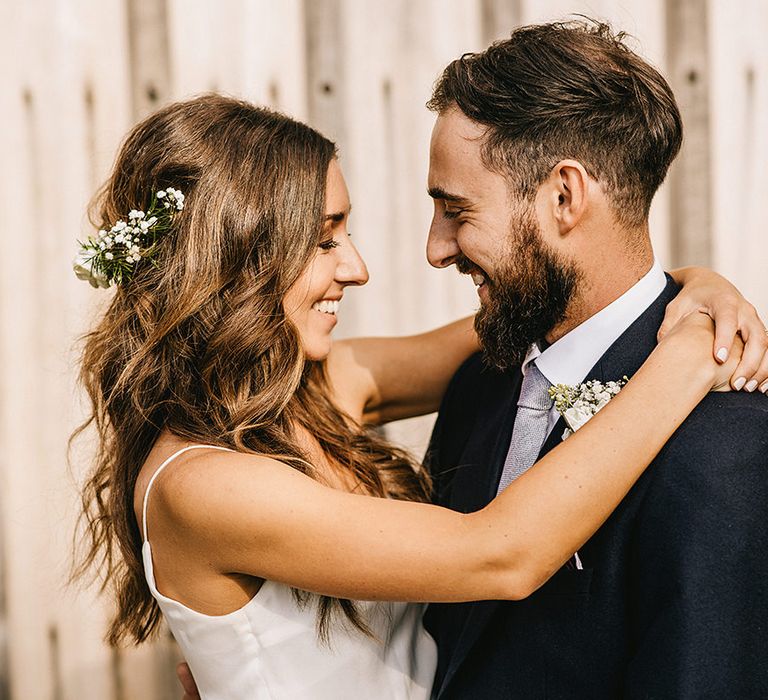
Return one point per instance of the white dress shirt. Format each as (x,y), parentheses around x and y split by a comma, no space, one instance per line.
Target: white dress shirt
(568,359)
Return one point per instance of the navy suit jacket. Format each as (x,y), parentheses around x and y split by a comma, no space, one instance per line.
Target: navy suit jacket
(673,598)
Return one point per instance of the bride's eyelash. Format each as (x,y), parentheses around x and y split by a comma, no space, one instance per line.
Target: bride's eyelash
(328,245)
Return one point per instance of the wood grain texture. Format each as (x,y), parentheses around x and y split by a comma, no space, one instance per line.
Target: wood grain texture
(78,73)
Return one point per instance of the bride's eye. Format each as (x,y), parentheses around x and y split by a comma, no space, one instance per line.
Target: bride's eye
(330,244)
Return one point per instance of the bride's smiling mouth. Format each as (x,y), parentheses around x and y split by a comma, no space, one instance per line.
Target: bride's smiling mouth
(327,306)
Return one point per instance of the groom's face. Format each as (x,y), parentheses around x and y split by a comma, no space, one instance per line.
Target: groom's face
(524,285)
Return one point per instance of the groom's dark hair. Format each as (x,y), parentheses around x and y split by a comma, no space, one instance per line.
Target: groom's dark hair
(569,90)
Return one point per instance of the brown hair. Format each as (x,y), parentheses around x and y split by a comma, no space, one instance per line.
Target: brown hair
(198,343)
(569,90)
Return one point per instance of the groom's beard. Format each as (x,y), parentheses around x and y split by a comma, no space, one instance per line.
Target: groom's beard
(528,297)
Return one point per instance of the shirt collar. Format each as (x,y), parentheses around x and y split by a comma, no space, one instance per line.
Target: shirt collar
(568,360)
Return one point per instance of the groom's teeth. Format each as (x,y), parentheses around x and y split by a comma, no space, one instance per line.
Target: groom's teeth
(326,307)
(477,278)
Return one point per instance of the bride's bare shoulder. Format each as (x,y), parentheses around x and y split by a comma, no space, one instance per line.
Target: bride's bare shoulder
(192,483)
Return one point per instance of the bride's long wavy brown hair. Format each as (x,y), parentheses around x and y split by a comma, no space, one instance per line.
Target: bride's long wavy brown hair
(199,344)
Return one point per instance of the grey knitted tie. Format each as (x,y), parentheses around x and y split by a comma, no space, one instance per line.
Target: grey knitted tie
(530,428)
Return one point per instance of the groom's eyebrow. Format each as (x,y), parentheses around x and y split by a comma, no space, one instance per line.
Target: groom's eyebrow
(440,193)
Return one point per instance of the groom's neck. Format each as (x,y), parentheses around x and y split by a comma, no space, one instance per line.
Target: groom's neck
(605,276)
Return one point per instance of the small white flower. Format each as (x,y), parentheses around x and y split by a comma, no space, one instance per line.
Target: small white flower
(577,404)
(110,250)
(577,416)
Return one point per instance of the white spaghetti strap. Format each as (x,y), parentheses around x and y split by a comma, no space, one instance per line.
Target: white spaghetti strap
(163,466)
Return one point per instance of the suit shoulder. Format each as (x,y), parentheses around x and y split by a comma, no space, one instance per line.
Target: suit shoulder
(725,439)
(723,421)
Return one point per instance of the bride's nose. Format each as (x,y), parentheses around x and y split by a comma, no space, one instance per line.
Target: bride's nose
(351,268)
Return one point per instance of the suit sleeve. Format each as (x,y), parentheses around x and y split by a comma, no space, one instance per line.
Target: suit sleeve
(699,564)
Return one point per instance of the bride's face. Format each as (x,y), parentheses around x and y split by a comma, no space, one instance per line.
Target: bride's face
(313,300)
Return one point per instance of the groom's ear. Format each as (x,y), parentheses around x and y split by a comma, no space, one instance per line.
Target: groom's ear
(569,194)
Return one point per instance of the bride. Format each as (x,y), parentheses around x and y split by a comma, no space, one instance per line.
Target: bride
(238,490)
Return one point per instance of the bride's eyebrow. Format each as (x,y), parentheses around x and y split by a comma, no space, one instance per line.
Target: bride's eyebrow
(337,216)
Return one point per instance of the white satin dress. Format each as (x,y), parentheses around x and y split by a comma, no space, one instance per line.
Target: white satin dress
(269,648)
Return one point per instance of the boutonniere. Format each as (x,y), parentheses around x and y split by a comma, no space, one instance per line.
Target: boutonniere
(577,404)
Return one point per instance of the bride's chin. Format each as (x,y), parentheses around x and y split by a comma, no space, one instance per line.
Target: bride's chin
(317,351)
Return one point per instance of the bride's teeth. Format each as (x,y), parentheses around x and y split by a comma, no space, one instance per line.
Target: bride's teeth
(326,307)
(477,278)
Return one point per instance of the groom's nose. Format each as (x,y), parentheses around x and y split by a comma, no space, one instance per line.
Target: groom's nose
(442,247)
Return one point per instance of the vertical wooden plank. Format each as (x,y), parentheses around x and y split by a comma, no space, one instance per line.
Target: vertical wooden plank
(149,55)
(499,18)
(7,100)
(326,67)
(690,178)
(4,637)
(274,57)
(739,145)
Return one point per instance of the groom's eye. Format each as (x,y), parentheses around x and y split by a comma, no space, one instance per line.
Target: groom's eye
(451,213)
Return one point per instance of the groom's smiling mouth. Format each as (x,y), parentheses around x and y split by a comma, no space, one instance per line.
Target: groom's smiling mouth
(465,266)
(478,278)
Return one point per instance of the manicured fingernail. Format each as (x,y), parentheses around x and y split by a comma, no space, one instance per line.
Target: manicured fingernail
(751,385)
(764,388)
(739,383)
(722,354)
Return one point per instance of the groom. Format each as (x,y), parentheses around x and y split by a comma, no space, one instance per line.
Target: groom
(546,154)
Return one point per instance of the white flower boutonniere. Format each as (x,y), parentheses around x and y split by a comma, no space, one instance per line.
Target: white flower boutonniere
(577,404)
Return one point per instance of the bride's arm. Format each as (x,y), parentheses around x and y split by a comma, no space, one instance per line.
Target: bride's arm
(377,380)
(253,515)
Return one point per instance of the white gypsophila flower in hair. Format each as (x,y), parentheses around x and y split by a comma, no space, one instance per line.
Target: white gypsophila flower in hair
(112,257)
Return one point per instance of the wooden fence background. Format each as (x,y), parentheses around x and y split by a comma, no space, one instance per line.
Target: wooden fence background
(77,73)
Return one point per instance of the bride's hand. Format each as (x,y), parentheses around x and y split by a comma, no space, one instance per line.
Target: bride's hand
(692,336)
(736,320)
(184,674)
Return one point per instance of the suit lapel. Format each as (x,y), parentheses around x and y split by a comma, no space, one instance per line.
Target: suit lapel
(482,459)
(624,357)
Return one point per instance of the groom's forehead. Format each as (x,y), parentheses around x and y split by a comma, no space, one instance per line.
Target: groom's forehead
(455,152)
(457,172)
